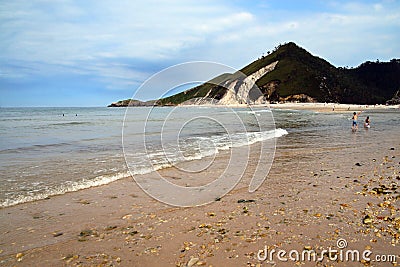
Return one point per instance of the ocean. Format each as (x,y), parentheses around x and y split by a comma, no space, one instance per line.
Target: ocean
(51,151)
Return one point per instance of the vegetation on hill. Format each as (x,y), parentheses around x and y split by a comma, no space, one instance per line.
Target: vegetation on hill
(299,73)
(132,103)
(199,91)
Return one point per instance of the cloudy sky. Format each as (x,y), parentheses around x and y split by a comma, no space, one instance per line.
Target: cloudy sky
(91,53)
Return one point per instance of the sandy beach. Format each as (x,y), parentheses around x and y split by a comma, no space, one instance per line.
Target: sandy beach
(199,133)
(331,107)
(317,107)
(313,196)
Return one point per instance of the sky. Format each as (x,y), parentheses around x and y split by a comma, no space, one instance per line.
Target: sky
(94,52)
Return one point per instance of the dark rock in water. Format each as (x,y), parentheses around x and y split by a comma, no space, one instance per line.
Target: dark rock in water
(358,164)
(218,199)
(246,201)
(392,148)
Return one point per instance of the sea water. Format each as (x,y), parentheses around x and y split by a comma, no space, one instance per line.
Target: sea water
(50,151)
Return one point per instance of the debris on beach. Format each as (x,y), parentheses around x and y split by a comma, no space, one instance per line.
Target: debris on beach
(246,201)
(56,234)
(19,256)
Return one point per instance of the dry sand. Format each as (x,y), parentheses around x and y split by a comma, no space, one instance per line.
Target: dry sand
(318,107)
(331,107)
(312,197)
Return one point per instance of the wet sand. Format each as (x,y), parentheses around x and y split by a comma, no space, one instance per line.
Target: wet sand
(312,197)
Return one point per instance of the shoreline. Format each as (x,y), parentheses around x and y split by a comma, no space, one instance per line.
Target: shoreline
(325,189)
(318,107)
(333,107)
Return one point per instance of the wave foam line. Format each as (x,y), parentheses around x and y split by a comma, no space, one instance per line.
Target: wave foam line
(252,138)
(223,143)
(61,190)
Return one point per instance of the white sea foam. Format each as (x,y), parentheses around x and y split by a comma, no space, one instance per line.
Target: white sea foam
(60,190)
(158,160)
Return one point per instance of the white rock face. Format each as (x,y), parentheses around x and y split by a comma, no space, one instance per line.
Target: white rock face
(241,96)
(237,90)
(230,96)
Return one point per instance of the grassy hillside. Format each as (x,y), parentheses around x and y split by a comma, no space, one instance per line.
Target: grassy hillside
(381,77)
(199,91)
(300,73)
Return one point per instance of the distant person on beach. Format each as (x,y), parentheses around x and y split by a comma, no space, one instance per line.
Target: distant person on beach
(367,122)
(354,118)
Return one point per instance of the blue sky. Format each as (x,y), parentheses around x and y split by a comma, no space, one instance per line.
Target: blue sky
(91,53)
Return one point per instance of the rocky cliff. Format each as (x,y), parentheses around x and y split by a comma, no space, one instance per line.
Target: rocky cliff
(132,103)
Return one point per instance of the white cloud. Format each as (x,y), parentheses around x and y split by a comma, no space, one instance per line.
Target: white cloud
(92,37)
(54,32)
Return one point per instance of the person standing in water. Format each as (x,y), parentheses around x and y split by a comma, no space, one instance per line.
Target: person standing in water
(354,118)
(367,122)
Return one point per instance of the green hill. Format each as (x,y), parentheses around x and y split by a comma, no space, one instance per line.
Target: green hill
(300,76)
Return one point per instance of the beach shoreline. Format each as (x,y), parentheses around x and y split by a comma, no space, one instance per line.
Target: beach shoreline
(332,107)
(318,107)
(327,189)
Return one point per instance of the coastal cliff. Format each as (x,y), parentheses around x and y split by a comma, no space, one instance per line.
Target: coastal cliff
(132,103)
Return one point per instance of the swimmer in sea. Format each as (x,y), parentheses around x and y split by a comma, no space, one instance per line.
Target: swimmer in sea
(354,118)
(367,122)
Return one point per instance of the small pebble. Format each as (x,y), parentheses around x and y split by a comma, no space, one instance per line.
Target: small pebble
(192,262)
(55,234)
(19,256)
(367,219)
(246,201)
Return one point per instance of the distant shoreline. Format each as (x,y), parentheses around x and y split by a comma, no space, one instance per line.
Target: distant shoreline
(319,107)
(331,107)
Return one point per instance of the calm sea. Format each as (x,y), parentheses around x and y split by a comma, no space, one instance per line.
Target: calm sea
(50,151)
